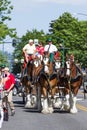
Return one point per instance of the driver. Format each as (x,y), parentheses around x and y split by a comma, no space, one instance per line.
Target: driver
(29,51)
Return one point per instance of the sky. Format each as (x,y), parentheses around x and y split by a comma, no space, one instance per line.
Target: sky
(37,14)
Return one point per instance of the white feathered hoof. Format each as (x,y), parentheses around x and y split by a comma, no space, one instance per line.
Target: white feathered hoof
(51,110)
(73,110)
(66,107)
(28,104)
(45,111)
(57,105)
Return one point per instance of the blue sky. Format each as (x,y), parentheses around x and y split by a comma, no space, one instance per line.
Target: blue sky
(37,14)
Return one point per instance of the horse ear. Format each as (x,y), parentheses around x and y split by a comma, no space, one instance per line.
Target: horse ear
(67,56)
(72,57)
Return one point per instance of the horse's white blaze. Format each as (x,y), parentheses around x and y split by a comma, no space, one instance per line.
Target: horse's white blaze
(57,65)
(46,68)
(45,60)
(68,68)
(36,63)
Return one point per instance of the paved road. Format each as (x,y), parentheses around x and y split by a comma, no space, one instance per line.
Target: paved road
(25,120)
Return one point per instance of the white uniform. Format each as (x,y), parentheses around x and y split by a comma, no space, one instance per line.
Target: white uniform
(29,48)
(50,49)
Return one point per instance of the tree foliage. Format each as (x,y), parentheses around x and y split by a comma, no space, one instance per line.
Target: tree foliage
(73,33)
(3,60)
(5,11)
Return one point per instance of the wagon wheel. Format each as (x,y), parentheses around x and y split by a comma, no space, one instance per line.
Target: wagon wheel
(5,108)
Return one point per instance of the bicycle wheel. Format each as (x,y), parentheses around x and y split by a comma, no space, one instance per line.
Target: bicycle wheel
(5,109)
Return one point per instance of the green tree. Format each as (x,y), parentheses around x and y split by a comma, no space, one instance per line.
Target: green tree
(5,11)
(3,60)
(73,33)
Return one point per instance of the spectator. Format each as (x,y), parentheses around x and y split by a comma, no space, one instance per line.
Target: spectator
(9,81)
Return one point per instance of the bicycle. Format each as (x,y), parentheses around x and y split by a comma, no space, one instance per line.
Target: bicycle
(5,106)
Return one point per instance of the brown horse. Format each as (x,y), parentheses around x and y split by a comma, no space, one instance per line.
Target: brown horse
(48,81)
(73,82)
(29,81)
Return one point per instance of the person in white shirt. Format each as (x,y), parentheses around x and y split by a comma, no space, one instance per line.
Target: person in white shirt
(50,49)
(29,51)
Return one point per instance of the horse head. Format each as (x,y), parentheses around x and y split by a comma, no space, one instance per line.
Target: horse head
(67,64)
(57,65)
(46,64)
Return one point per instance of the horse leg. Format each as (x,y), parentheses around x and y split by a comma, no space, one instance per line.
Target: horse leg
(73,108)
(45,109)
(33,96)
(76,86)
(67,102)
(28,98)
(57,103)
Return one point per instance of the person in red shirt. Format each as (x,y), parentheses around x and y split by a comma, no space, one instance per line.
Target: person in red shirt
(9,81)
(39,50)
